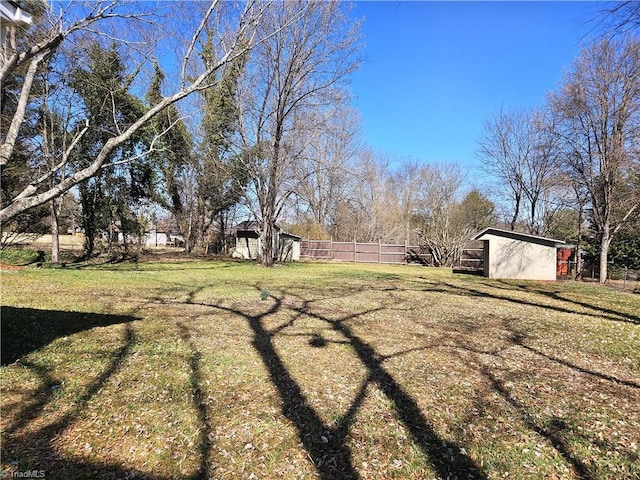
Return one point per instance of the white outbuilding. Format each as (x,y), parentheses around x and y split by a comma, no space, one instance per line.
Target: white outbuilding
(515,255)
(249,243)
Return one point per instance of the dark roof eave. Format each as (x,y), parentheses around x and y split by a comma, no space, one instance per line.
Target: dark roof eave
(517,236)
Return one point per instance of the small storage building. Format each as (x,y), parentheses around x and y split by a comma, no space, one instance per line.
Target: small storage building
(514,255)
(249,243)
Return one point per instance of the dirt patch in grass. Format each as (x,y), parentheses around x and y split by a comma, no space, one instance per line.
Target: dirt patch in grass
(10,267)
(227,370)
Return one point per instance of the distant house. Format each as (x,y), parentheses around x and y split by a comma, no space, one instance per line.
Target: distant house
(566,261)
(154,238)
(514,255)
(249,243)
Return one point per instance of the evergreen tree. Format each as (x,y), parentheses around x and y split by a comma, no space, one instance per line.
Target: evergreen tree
(108,200)
(173,158)
(222,173)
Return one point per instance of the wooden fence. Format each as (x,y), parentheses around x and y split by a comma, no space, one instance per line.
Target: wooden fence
(471,259)
(380,253)
(362,252)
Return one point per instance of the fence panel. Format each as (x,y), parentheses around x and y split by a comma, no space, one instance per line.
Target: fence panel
(367,252)
(471,259)
(393,254)
(318,249)
(344,251)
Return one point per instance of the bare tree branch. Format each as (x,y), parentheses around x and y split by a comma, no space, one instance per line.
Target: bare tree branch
(243,41)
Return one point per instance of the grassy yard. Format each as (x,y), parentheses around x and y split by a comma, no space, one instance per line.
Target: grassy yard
(195,370)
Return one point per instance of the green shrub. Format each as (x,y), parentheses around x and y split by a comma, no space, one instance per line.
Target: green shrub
(23,256)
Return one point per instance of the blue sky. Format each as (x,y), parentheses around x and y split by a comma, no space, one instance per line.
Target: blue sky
(435,71)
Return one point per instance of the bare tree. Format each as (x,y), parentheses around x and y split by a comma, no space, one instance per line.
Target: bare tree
(323,173)
(598,108)
(238,38)
(299,68)
(620,18)
(504,150)
(370,209)
(545,190)
(519,151)
(437,215)
(407,184)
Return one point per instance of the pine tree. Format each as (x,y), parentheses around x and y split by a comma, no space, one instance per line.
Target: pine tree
(108,200)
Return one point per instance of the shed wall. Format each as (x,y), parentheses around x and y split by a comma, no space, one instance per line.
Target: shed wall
(289,249)
(247,248)
(510,258)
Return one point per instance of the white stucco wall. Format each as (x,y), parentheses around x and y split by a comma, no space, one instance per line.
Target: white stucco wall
(517,259)
(295,254)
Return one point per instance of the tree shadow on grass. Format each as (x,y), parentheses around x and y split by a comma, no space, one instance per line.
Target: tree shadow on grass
(199,400)
(330,455)
(447,458)
(519,339)
(600,311)
(606,313)
(25,330)
(558,432)
(326,444)
(35,449)
(25,449)
(554,432)
(568,306)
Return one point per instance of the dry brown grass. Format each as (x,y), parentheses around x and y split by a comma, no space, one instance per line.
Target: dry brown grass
(180,370)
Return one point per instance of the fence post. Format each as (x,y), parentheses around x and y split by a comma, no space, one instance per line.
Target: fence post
(379,252)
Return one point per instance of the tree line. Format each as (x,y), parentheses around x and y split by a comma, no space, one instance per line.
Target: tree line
(117,116)
(575,160)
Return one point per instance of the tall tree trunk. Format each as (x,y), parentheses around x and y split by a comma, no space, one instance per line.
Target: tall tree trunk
(605,242)
(221,243)
(578,255)
(267,240)
(516,213)
(269,204)
(88,203)
(55,232)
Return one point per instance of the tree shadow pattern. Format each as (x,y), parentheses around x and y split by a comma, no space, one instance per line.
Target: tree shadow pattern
(569,304)
(43,438)
(25,330)
(56,324)
(326,444)
(205,446)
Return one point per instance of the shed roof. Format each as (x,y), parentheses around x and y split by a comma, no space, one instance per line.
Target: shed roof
(523,237)
(254,227)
